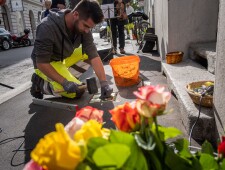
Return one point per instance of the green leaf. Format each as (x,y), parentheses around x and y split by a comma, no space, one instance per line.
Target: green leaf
(83,166)
(208,162)
(154,161)
(111,155)
(196,164)
(207,148)
(168,132)
(182,147)
(93,144)
(222,165)
(175,162)
(137,159)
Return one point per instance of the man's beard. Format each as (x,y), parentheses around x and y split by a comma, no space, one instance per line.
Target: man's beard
(76,28)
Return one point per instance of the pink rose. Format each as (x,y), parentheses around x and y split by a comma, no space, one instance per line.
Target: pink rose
(149,110)
(31,165)
(74,125)
(153,94)
(88,113)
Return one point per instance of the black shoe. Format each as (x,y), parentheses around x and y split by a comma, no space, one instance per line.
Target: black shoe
(122,51)
(35,89)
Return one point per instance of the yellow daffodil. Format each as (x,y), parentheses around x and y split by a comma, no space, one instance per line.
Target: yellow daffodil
(57,151)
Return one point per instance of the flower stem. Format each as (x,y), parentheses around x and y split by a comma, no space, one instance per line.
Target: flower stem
(156,126)
(142,131)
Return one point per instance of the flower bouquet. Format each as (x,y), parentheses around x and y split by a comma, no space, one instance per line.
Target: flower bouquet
(139,143)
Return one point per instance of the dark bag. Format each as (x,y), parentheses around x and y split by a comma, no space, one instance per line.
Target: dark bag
(105,54)
(148,46)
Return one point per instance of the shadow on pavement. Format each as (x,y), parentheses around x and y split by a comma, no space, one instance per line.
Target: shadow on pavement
(42,122)
(44,119)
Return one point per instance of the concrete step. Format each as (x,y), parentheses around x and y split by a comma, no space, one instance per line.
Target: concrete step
(207,51)
(178,76)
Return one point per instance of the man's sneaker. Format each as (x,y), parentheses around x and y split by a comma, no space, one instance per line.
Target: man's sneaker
(35,89)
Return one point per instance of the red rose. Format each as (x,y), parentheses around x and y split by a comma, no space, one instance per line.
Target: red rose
(221,147)
(125,117)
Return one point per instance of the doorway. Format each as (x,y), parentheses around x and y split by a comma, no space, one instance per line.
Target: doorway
(5,16)
(32,23)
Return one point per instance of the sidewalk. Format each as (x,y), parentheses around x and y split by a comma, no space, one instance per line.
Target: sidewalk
(16,76)
(19,116)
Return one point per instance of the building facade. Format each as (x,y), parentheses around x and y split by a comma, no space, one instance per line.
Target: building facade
(179,23)
(16,15)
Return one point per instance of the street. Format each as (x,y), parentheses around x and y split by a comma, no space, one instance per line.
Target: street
(14,55)
(16,68)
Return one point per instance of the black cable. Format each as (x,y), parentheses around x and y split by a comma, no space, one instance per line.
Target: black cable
(5,85)
(208,90)
(10,139)
(199,112)
(15,151)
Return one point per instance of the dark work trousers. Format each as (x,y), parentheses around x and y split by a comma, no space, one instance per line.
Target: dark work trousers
(117,27)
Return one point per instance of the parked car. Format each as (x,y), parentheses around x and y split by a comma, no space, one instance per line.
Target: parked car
(5,39)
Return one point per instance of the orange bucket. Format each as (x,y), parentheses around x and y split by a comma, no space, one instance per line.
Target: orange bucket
(125,70)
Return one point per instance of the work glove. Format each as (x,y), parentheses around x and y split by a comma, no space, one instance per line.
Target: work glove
(106,90)
(70,87)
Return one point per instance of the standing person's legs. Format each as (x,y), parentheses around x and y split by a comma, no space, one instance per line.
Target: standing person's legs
(114,32)
(131,26)
(127,31)
(121,37)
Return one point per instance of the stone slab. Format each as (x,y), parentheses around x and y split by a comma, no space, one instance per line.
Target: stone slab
(178,76)
(205,50)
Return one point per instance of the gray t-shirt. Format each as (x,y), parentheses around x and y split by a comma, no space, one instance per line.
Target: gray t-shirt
(52,35)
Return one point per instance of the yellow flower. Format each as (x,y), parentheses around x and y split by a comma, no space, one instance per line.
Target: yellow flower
(57,151)
(89,130)
(105,133)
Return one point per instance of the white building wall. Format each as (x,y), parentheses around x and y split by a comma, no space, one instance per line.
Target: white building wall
(149,10)
(219,95)
(189,21)
(161,25)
